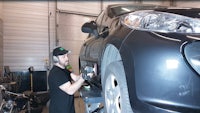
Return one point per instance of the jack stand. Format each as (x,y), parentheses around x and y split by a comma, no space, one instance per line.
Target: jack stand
(92,99)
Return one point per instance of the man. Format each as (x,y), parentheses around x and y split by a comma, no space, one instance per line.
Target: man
(63,83)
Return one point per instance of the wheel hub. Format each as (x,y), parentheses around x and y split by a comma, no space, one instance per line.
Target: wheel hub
(112,96)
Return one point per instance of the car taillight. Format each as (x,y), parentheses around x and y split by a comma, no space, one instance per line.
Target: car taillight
(192,54)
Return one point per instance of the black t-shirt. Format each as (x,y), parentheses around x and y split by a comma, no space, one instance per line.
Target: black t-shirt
(60,102)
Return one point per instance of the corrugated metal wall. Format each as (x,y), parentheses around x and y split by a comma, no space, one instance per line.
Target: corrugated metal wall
(26,35)
(1,39)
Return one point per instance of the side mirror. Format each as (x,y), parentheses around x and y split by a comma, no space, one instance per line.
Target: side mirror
(90,27)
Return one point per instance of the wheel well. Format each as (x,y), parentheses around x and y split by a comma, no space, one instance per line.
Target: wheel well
(111,54)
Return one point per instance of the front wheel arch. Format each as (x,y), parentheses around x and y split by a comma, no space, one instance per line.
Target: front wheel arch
(115,91)
(112,65)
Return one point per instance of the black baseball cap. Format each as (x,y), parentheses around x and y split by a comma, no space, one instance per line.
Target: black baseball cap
(60,51)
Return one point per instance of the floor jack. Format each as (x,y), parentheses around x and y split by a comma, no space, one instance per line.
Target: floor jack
(92,99)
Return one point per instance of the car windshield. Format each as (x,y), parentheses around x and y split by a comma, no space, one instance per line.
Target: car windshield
(161,22)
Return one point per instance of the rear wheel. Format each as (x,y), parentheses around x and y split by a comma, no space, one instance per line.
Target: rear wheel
(115,90)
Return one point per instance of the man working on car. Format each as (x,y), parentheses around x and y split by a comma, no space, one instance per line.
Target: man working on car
(63,83)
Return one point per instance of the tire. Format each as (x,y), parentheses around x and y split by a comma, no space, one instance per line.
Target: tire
(115,92)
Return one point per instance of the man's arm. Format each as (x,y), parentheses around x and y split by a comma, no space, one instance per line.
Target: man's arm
(71,88)
(75,77)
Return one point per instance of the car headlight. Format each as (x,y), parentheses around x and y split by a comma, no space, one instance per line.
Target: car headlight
(161,22)
(192,54)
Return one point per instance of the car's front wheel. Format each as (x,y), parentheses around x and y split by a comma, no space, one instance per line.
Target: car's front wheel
(115,90)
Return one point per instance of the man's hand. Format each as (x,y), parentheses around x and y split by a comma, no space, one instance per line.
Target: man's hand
(87,76)
(90,74)
(87,72)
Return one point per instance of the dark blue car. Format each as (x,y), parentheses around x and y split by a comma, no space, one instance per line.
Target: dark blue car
(146,58)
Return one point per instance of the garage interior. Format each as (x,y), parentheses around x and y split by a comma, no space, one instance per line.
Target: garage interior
(30,30)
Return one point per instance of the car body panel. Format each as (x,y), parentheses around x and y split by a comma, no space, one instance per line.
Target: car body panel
(158,66)
(159,78)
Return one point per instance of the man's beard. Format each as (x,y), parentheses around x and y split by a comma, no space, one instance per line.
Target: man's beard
(64,64)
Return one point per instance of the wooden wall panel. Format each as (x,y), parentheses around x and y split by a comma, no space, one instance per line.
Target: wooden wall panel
(26,34)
